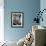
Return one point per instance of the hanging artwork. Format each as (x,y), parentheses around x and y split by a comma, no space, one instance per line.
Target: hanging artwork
(17,19)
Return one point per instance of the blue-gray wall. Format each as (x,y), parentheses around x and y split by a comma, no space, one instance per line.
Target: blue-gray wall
(29,7)
(43,6)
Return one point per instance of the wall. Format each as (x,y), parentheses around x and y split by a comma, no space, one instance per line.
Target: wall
(29,7)
(43,6)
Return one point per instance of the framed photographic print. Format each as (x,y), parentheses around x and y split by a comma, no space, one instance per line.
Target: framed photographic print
(17,19)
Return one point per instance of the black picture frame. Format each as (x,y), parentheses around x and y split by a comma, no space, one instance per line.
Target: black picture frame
(17,19)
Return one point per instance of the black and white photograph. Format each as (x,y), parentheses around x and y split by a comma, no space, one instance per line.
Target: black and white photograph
(17,19)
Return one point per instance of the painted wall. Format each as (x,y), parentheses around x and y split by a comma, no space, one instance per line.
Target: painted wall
(43,6)
(29,7)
